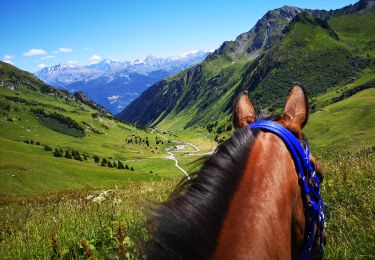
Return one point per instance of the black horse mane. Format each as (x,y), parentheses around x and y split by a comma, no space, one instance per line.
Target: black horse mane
(188,224)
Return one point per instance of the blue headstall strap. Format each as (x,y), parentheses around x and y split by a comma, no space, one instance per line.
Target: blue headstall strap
(311,187)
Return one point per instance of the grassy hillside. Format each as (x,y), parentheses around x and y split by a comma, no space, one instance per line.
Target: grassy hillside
(357,30)
(364,81)
(345,125)
(67,124)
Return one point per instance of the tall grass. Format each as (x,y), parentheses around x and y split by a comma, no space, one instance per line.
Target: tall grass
(348,190)
(81,225)
(109,224)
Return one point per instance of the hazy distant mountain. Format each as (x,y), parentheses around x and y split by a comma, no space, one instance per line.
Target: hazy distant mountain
(63,74)
(114,84)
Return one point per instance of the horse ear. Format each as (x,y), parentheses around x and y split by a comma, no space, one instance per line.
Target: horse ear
(296,111)
(244,112)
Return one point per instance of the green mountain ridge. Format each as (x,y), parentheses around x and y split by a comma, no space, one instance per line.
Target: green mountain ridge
(293,45)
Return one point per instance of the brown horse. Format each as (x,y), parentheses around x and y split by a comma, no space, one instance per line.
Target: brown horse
(246,202)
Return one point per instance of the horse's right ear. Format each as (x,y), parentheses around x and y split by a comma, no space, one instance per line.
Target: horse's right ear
(244,112)
(296,111)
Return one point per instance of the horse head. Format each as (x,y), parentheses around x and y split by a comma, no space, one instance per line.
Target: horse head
(249,199)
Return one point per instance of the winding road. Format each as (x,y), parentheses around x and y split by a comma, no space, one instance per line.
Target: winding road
(180,148)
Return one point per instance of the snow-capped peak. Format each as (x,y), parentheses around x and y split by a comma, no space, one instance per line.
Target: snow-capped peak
(66,73)
(66,65)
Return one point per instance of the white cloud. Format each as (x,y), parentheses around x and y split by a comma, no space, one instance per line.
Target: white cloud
(192,52)
(7,57)
(8,61)
(113,99)
(54,52)
(47,57)
(34,52)
(94,59)
(72,62)
(65,50)
(87,49)
(42,66)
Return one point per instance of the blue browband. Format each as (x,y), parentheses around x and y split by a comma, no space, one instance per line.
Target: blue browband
(311,187)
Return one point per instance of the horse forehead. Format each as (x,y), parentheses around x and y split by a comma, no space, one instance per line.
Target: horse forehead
(269,149)
(266,141)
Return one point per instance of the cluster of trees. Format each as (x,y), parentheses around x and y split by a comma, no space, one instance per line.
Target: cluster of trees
(59,123)
(105,115)
(31,142)
(58,152)
(151,172)
(76,155)
(45,147)
(92,128)
(60,118)
(351,92)
(158,141)
(218,130)
(134,139)
(112,164)
(4,106)
(73,154)
(137,140)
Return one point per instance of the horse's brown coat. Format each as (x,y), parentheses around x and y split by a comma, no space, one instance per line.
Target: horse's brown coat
(266,207)
(266,217)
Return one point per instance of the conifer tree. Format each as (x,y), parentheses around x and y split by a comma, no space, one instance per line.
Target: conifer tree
(67,155)
(104,162)
(57,153)
(120,165)
(96,158)
(77,156)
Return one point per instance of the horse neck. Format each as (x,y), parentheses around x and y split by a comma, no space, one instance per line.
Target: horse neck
(265,218)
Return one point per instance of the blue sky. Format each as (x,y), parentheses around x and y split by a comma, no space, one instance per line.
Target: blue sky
(35,33)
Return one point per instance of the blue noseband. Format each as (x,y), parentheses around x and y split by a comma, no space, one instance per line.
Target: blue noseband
(311,187)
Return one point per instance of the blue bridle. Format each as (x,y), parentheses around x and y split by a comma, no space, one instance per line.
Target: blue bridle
(311,187)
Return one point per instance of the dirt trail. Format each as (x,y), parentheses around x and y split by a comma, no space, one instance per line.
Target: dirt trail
(182,147)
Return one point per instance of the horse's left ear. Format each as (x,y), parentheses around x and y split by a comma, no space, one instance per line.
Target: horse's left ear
(296,111)
(244,112)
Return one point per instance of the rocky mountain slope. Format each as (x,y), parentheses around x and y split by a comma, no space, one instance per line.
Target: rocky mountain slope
(286,45)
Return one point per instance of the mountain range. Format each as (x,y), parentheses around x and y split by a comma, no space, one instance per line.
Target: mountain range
(114,84)
(321,49)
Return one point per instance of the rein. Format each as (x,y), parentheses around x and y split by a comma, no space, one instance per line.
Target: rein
(311,187)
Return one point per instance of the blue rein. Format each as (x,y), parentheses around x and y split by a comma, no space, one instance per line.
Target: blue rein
(310,188)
